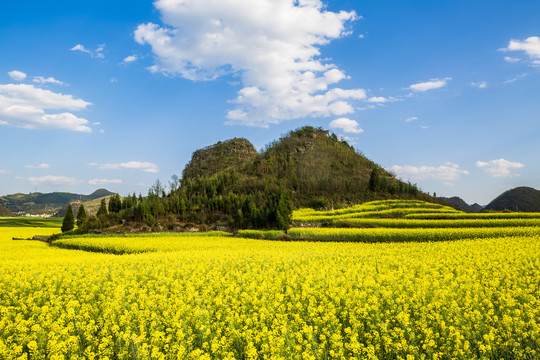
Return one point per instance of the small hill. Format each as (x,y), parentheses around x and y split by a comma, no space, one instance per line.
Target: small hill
(459,204)
(524,199)
(99,193)
(48,203)
(315,167)
(477,207)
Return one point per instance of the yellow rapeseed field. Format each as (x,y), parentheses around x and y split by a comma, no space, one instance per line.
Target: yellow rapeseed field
(221,297)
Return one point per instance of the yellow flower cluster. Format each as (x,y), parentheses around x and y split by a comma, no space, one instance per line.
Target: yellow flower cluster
(437,223)
(230,298)
(385,208)
(406,234)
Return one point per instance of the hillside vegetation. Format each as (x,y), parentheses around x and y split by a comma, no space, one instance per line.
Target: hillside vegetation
(4,211)
(91,206)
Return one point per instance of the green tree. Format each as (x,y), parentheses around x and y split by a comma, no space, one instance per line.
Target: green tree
(102,208)
(81,216)
(115,203)
(374,180)
(284,211)
(68,223)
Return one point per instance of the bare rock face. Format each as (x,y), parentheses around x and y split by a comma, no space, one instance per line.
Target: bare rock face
(233,153)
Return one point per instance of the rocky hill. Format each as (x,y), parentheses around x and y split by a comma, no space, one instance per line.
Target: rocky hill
(231,154)
(521,198)
(314,166)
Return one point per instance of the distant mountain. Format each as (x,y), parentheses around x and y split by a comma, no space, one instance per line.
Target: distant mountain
(50,203)
(90,207)
(521,198)
(477,207)
(459,204)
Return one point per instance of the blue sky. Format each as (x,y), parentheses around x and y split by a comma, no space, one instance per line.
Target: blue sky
(120,94)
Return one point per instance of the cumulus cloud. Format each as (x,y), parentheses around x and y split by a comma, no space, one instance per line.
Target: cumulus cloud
(104,181)
(447,172)
(130,58)
(430,85)
(411,119)
(347,125)
(80,47)
(531,46)
(17,75)
(53,180)
(273,46)
(480,84)
(499,168)
(378,99)
(30,107)
(4,171)
(136,165)
(40,166)
(44,80)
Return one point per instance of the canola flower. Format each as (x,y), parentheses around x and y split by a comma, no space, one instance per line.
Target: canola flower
(232,298)
(404,234)
(460,215)
(385,208)
(437,223)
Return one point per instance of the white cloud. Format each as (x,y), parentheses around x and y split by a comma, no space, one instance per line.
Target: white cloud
(348,139)
(273,46)
(80,47)
(531,46)
(98,53)
(4,171)
(136,165)
(411,119)
(378,99)
(480,84)
(29,107)
(53,180)
(17,75)
(511,59)
(44,80)
(516,78)
(430,85)
(104,181)
(499,167)
(347,125)
(40,166)
(446,172)
(130,58)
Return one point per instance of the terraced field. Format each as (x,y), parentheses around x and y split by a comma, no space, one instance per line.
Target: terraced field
(214,296)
